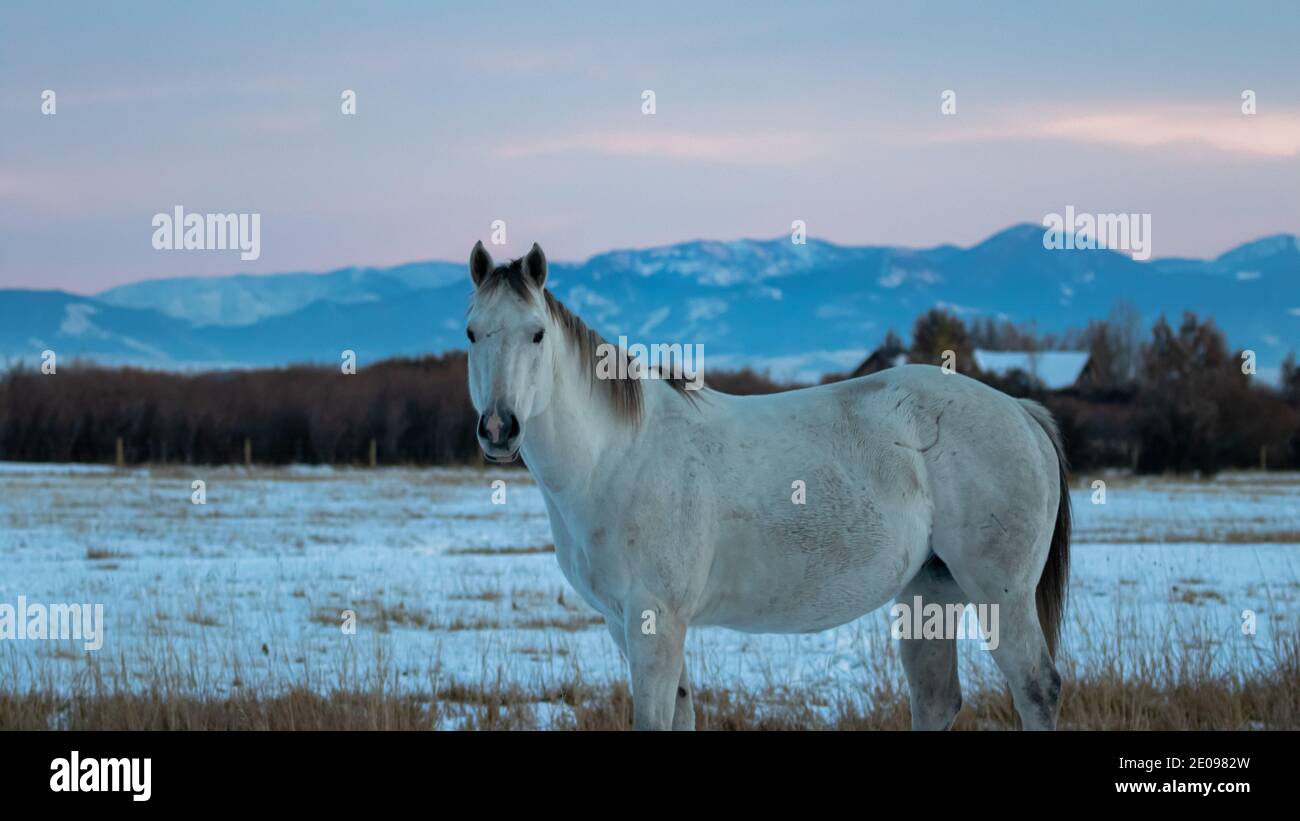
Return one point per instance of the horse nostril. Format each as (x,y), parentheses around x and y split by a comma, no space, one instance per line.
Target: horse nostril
(482,428)
(514,426)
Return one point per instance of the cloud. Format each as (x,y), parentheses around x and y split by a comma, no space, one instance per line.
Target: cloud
(739,148)
(959,310)
(1270,135)
(23,184)
(1221,128)
(651,322)
(705,308)
(833,310)
(281,122)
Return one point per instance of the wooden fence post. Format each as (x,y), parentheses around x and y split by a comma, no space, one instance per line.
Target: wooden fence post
(121,453)
(374,452)
(248,452)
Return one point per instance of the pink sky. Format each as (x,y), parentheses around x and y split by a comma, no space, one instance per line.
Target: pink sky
(829,113)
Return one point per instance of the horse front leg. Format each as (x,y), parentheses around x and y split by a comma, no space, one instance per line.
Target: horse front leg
(654,640)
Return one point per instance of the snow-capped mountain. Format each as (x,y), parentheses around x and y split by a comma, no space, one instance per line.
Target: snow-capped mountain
(244,299)
(796,310)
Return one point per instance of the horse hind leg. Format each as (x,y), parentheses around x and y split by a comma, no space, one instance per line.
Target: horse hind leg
(1023,658)
(684,711)
(931,664)
(1019,647)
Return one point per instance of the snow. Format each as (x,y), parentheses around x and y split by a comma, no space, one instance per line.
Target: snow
(51,467)
(448,587)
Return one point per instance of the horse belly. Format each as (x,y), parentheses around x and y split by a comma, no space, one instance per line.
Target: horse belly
(809,571)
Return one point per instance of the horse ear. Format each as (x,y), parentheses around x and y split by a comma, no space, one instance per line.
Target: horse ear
(480,263)
(535,265)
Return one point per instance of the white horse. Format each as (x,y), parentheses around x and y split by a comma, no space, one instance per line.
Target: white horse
(672,509)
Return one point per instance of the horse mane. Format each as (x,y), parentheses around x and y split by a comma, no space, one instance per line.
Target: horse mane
(625,396)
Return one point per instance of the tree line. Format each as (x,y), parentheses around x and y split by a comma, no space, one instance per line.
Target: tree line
(1176,401)
(416,410)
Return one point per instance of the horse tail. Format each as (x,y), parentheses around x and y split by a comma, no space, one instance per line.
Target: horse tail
(1053,584)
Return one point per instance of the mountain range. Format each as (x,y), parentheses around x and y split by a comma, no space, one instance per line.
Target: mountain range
(797,311)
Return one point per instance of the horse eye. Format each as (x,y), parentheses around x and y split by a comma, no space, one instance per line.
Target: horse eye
(537,337)
(470,334)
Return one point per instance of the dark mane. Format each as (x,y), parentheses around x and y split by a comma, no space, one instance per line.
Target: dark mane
(624,395)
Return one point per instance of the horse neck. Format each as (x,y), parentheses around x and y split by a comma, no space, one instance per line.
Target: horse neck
(577,430)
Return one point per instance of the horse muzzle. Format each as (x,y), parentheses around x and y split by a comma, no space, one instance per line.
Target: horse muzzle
(499,433)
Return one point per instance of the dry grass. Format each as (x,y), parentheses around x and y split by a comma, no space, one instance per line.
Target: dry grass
(482,595)
(1153,695)
(383,618)
(1198,537)
(501,551)
(570,623)
(1136,678)
(1188,595)
(1095,704)
(201,619)
(96,555)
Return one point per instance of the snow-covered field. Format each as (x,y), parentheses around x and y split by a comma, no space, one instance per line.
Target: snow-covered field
(247,590)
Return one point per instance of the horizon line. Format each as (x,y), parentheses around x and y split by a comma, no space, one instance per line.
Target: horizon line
(637,249)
